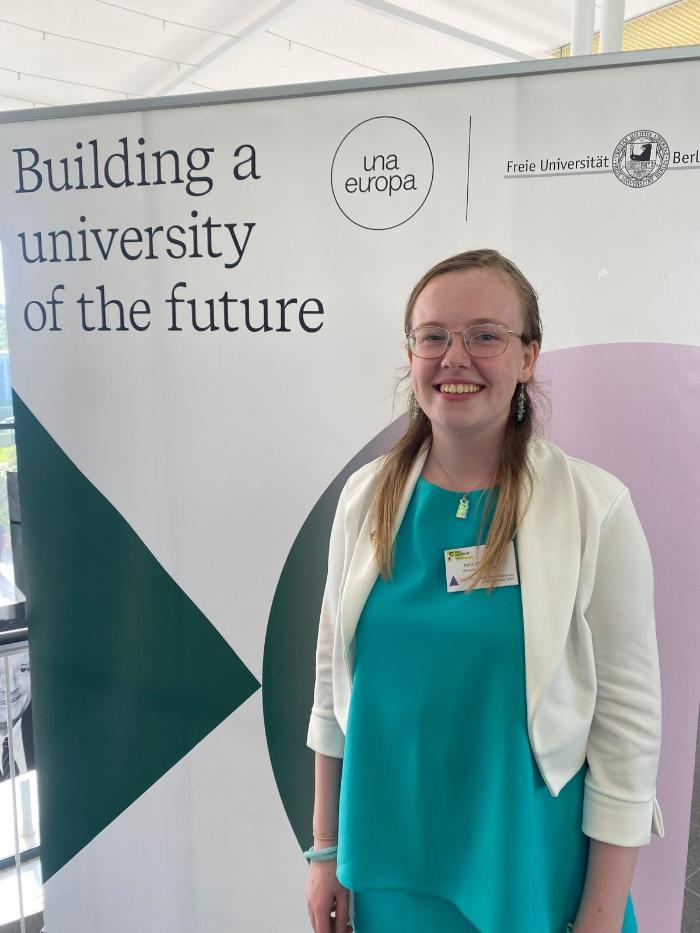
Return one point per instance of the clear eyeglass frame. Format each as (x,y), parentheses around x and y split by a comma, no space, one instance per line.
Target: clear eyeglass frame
(468,336)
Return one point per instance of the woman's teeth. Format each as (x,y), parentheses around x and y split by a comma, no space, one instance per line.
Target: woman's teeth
(459,388)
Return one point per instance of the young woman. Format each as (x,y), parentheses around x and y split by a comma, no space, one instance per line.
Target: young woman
(500,752)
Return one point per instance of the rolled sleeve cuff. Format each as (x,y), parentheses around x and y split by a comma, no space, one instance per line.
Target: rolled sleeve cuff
(620,822)
(325,736)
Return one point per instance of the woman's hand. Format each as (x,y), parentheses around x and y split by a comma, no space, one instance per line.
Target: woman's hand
(324,893)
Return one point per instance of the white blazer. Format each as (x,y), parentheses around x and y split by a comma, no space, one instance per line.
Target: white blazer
(591,658)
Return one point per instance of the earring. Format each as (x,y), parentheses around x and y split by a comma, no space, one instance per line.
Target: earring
(520,413)
(413,406)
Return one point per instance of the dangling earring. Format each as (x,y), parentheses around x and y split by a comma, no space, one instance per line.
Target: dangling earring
(520,413)
(413,406)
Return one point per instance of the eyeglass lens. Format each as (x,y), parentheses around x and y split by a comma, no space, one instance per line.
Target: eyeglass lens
(482,340)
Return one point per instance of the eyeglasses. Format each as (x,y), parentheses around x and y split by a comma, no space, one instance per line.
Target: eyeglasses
(481,340)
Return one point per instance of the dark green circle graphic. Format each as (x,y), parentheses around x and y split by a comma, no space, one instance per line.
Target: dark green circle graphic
(289,661)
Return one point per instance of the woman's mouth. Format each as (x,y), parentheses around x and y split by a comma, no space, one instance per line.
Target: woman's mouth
(458,390)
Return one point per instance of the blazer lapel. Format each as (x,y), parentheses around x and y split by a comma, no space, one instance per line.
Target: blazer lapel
(363,572)
(549,556)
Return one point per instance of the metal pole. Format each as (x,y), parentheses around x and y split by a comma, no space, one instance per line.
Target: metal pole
(612,21)
(582,26)
(11,750)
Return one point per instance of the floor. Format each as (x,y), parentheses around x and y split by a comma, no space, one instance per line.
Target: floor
(691,901)
(32,924)
(32,894)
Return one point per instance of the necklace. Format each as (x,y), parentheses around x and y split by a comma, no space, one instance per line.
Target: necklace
(463,507)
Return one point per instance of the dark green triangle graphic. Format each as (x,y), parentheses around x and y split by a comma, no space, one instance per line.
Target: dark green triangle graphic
(127,674)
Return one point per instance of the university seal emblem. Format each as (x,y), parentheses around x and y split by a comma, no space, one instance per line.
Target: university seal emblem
(640,158)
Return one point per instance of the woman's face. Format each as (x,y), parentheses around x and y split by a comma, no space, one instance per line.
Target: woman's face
(456,300)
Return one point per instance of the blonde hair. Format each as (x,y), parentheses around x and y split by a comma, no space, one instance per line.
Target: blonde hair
(514,470)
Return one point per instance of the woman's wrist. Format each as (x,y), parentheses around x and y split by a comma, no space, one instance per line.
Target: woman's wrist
(322,853)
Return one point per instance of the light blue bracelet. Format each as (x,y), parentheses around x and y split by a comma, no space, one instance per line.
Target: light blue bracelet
(324,855)
(321,855)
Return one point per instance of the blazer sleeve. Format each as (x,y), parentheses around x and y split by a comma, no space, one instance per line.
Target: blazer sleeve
(324,733)
(619,804)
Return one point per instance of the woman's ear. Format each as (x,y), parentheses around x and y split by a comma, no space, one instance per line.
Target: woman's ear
(532,351)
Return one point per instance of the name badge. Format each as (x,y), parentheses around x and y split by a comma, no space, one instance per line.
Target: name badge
(461,563)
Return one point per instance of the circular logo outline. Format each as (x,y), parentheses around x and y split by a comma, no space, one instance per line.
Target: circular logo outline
(661,162)
(432,171)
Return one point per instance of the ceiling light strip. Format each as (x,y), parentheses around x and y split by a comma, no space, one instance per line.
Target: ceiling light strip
(94,87)
(100,45)
(313,48)
(163,19)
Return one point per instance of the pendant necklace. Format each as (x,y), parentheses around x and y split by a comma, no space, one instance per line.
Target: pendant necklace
(463,507)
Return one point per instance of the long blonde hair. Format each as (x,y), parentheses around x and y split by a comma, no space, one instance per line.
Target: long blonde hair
(514,471)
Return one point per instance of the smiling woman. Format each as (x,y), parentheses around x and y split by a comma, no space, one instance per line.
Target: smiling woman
(471,546)
(447,347)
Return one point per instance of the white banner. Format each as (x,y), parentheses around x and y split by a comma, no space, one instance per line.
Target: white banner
(205,317)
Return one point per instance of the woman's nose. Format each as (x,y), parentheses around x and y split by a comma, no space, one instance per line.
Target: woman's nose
(457,352)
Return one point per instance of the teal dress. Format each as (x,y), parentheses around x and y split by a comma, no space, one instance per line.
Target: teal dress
(445,822)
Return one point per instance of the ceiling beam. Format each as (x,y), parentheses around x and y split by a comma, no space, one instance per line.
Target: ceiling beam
(417,19)
(246,33)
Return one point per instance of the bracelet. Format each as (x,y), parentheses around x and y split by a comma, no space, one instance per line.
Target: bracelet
(321,855)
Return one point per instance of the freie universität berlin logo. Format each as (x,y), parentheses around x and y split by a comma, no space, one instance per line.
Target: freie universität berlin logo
(640,158)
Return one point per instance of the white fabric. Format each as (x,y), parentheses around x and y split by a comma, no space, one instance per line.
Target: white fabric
(591,657)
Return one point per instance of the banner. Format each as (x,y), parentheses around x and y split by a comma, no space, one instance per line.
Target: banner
(205,308)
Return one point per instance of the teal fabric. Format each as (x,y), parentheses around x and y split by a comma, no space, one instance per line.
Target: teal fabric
(444,819)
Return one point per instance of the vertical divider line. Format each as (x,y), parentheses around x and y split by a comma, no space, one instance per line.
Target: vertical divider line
(469,158)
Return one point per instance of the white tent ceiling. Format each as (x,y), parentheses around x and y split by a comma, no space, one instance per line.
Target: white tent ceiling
(79,51)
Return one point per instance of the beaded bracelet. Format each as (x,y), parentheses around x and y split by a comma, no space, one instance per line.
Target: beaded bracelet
(321,855)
